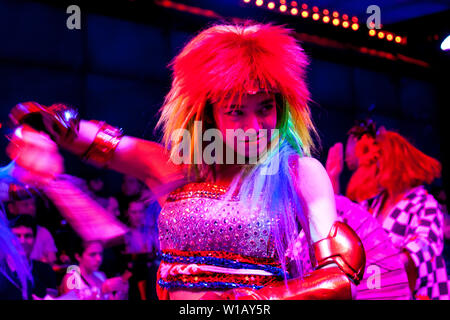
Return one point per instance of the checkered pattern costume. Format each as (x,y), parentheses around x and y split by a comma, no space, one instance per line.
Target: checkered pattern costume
(416,224)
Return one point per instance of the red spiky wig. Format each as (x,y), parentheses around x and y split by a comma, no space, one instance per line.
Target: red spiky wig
(225,62)
(402,166)
(390,163)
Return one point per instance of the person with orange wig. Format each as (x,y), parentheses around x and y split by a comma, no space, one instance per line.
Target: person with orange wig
(389,182)
(226,225)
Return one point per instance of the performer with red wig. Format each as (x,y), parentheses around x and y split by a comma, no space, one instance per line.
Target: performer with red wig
(407,211)
(226,226)
(389,181)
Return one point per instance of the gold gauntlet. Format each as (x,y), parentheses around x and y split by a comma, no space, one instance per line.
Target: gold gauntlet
(105,143)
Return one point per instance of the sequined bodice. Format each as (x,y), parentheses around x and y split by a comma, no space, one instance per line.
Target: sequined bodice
(196,218)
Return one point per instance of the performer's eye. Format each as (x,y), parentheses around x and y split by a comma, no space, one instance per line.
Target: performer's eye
(267,107)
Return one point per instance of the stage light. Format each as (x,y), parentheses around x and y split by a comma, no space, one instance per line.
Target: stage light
(327,16)
(445,45)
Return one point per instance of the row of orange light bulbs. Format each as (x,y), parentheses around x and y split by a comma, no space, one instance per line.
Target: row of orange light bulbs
(326,18)
(385,35)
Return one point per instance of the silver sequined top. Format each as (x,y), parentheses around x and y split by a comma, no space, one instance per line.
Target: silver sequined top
(196,218)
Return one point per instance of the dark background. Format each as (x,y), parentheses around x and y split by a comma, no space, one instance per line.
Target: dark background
(115,67)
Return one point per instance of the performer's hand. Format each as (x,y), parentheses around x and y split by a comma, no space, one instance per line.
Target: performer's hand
(59,121)
(335,160)
(335,165)
(36,156)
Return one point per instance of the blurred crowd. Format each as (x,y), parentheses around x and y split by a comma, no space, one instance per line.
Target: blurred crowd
(62,262)
(64,266)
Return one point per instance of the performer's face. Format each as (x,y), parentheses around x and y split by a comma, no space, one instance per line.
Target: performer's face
(256,116)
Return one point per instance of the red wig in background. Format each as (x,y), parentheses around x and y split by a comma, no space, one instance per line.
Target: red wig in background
(402,166)
(389,163)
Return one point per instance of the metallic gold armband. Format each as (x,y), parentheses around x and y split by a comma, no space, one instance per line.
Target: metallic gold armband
(105,143)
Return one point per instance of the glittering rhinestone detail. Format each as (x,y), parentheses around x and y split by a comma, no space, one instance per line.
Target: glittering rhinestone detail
(200,190)
(197,218)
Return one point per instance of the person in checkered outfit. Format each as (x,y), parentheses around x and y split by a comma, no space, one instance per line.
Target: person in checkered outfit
(415,224)
(389,182)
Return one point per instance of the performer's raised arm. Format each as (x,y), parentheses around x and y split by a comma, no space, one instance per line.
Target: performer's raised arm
(38,163)
(102,144)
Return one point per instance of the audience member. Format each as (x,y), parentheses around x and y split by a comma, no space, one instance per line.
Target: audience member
(141,247)
(88,281)
(143,234)
(23,202)
(96,187)
(44,279)
(131,189)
